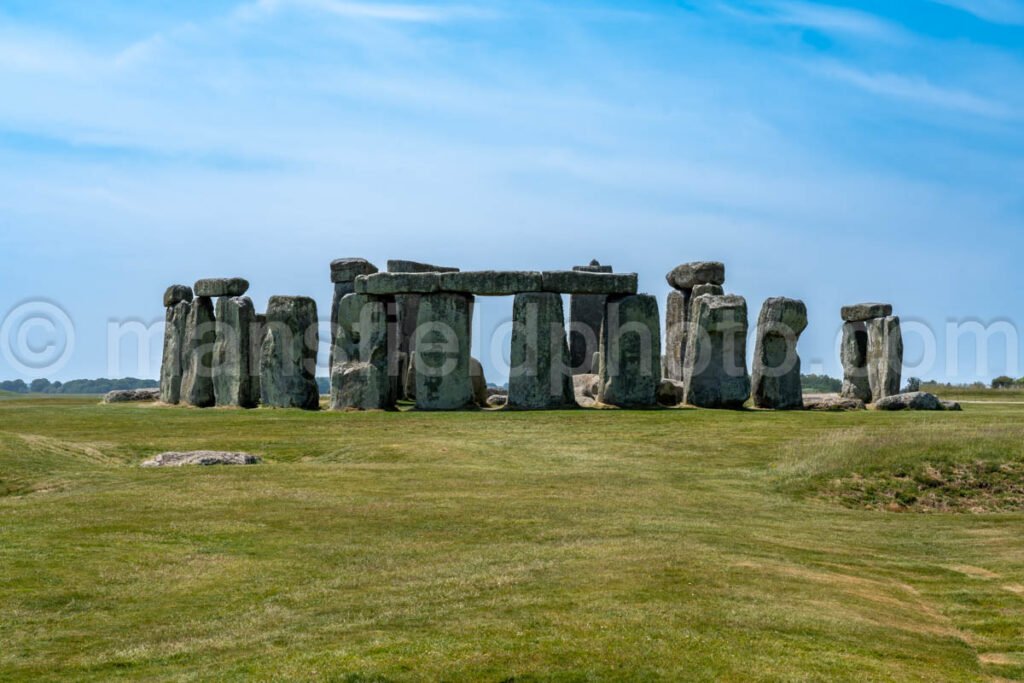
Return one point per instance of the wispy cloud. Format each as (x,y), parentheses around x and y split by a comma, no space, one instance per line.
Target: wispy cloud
(406,13)
(827,19)
(995,11)
(918,90)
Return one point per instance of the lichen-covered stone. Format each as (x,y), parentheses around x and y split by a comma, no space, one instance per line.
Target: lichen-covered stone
(348,269)
(884,357)
(854,356)
(176,294)
(197,354)
(491,282)
(359,377)
(831,403)
(670,392)
(776,376)
(221,286)
(676,313)
(864,312)
(132,396)
(479,382)
(715,370)
(404,266)
(540,377)
(689,275)
(630,352)
(917,400)
(583,282)
(173,362)
(288,354)
(383,284)
(442,352)
(235,372)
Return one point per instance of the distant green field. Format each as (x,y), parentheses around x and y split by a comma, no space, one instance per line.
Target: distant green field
(975,393)
(584,545)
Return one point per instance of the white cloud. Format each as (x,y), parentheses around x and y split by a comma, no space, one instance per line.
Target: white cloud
(918,90)
(995,11)
(827,19)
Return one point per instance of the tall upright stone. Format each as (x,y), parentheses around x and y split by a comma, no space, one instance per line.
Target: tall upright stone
(586,311)
(359,375)
(405,311)
(630,351)
(715,370)
(178,302)
(442,346)
(288,354)
(776,375)
(884,357)
(676,315)
(854,356)
(197,354)
(540,376)
(344,272)
(235,381)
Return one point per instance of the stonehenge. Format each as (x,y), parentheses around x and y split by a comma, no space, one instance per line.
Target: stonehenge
(871,352)
(715,361)
(288,354)
(405,335)
(776,374)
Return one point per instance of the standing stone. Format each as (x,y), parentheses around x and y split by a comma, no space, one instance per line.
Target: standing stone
(676,314)
(776,376)
(715,372)
(359,376)
(630,351)
(406,310)
(586,311)
(540,376)
(172,366)
(479,382)
(344,272)
(442,344)
(234,382)
(288,354)
(884,357)
(197,354)
(854,357)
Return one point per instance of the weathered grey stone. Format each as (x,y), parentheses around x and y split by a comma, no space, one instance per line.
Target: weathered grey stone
(593,267)
(630,351)
(540,377)
(491,282)
(670,392)
(197,354)
(173,363)
(864,312)
(952,406)
(776,376)
(676,314)
(340,290)
(586,402)
(586,385)
(382,284)
(409,391)
(360,378)
(854,357)
(832,403)
(235,375)
(132,396)
(347,269)
(479,382)
(689,275)
(715,370)
(581,282)
(701,290)
(442,352)
(884,357)
(288,354)
(403,266)
(917,400)
(595,362)
(176,294)
(221,286)
(497,400)
(177,459)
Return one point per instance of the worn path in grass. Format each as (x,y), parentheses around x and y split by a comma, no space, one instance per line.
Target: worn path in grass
(673,544)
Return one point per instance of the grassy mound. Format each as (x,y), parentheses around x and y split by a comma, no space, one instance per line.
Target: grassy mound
(926,466)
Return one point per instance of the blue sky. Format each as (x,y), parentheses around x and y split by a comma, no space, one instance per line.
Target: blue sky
(835,152)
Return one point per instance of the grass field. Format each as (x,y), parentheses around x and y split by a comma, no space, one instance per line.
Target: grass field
(585,545)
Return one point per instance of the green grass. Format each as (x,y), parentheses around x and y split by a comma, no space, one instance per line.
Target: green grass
(585,545)
(969,393)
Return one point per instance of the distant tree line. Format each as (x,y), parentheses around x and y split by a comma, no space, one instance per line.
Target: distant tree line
(1004,382)
(821,384)
(77,386)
